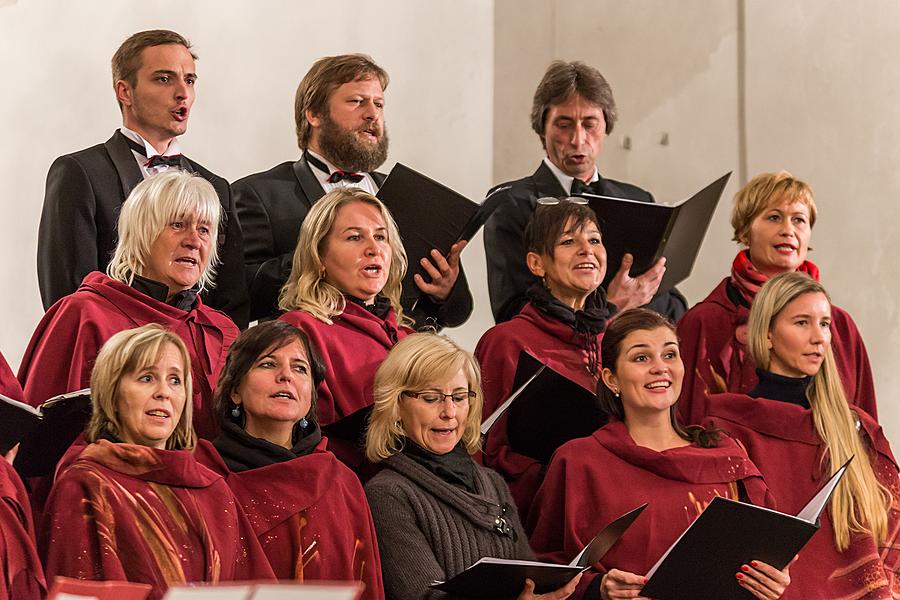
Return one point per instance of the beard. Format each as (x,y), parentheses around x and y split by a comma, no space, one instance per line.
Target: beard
(343,148)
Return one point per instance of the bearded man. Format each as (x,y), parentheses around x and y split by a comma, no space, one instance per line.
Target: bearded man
(339,114)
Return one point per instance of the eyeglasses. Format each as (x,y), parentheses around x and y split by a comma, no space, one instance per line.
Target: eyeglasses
(430,397)
(550,201)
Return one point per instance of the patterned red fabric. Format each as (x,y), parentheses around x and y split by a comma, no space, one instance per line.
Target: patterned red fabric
(21,575)
(781,439)
(748,279)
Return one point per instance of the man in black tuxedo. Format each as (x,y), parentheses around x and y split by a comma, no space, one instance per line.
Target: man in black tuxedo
(154,77)
(339,112)
(573,112)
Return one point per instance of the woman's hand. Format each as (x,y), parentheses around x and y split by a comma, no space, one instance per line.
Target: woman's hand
(442,271)
(627,292)
(560,594)
(618,584)
(764,581)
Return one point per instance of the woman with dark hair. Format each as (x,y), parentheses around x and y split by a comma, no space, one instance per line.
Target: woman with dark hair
(436,511)
(561,325)
(135,504)
(772,218)
(799,428)
(307,509)
(677,470)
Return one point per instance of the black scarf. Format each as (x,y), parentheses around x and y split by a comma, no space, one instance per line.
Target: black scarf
(242,452)
(779,387)
(456,467)
(379,308)
(587,323)
(185,300)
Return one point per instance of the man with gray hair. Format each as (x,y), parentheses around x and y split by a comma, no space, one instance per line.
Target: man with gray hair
(154,79)
(339,115)
(573,112)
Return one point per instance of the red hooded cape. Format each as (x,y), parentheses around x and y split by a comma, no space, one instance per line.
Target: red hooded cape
(129,512)
(21,575)
(782,441)
(311,517)
(592,481)
(63,348)
(9,385)
(713,337)
(552,342)
(352,347)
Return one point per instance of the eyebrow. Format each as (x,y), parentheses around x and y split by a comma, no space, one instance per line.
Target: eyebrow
(360,228)
(648,345)
(173,73)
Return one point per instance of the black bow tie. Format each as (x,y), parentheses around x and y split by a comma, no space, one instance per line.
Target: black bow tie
(176,160)
(580,187)
(337,175)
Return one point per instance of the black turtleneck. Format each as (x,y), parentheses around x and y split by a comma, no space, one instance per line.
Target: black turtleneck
(779,387)
(242,452)
(184,300)
(379,308)
(455,467)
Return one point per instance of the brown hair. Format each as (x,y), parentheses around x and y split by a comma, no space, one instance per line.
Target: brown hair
(326,75)
(127,60)
(761,192)
(564,79)
(642,319)
(549,221)
(259,341)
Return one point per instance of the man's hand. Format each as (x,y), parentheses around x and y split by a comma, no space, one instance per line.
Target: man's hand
(630,292)
(443,272)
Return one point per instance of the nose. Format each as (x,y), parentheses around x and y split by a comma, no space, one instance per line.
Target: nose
(163,390)
(191,237)
(284,373)
(448,408)
(658,366)
(578,135)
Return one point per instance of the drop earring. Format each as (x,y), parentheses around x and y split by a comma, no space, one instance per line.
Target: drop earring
(236,412)
(303,423)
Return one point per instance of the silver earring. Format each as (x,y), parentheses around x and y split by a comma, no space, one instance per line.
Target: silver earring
(303,423)
(236,412)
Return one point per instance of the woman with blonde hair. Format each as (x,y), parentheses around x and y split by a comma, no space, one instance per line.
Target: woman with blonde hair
(135,505)
(772,217)
(436,511)
(344,293)
(165,256)
(799,428)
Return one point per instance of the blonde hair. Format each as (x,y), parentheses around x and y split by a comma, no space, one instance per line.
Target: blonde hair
(152,205)
(124,353)
(761,192)
(306,288)
(860,503)
(415,362)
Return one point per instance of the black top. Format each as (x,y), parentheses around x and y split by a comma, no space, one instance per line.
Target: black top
(779,387)
(185,300)
(456,467)
(380,308)
(242,452)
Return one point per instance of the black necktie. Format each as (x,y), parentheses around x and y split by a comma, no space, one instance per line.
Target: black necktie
(580,187)
(178,161)
(337,175)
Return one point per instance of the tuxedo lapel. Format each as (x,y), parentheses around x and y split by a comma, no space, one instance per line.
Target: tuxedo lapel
(312,189)
(120,153)
(378,178)
(546,183)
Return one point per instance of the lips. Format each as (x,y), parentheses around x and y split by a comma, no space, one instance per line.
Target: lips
(187,260)
(373,270)
(158,413)
(180,113)
(785,248)
(284,395)
(660,384)
(587,266)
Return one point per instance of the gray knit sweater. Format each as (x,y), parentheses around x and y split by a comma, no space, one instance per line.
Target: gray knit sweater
(429,530)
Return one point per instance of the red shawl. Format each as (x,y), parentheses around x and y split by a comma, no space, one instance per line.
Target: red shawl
(550,341)
(129,512)
(61,353)
(21,575)
(592,481)
(713,337)
(352,347)
(782,440)
(311,517)
(9,385)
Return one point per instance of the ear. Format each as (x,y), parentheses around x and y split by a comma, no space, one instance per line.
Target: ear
(769,344)
(313,119)
(744,238)
(535,264)
(235,398)
(124,92)
(609,379)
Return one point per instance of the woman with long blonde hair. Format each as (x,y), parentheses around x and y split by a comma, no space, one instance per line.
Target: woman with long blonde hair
(799,427)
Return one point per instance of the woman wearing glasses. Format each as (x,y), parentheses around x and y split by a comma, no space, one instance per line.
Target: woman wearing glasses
(561,325)
(436,512)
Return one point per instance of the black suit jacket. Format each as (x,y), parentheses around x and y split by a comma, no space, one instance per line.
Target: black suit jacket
(77,235)
(504,240)
(272,205)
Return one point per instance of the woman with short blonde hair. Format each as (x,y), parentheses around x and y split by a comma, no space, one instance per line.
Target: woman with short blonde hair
(772,218)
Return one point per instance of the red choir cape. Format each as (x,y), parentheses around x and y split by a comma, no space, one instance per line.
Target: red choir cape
(9,385)
(352,348)
(61,353)
(592,481)
(134,513)
(781,439)
(21,575)
(311,517)
(552,342)
(713,338)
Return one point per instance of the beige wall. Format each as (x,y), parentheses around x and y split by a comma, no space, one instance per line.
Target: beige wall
(821,100)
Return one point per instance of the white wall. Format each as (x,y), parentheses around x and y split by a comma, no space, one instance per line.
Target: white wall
(58,98)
